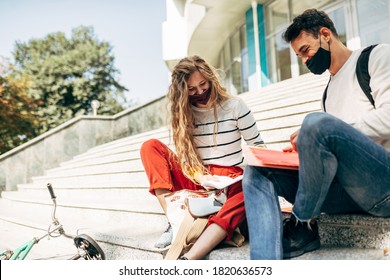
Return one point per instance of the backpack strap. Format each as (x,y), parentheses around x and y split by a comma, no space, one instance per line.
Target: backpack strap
(325,94)
(362,74)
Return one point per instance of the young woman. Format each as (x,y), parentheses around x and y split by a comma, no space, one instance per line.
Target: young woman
(207,128)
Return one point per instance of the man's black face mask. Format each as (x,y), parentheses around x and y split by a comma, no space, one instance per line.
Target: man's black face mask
(320,61)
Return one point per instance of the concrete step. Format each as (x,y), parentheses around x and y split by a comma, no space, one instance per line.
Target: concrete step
(128,139)
(281,122)
(270,100)
(277,139)
(118,166)
(83,214)
(325,252)
(129,149)
(288,87)
(305,107)
(124,145)
(129,199)
(360,231)
(131,142)
(117,179)
(94,160)
(66,192)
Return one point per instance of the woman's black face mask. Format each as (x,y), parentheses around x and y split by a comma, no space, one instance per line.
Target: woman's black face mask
(320,61)
(201,98)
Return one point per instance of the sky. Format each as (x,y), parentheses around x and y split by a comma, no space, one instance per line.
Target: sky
(132,27)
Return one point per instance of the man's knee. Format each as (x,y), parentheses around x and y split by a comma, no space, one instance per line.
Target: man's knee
(317,121)
(315,126)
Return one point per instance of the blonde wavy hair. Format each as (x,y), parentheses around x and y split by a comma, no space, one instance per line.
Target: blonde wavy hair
(181,115)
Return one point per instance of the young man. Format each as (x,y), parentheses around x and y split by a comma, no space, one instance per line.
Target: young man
(343,152)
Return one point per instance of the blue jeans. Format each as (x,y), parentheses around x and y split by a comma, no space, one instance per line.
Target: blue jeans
(341,171)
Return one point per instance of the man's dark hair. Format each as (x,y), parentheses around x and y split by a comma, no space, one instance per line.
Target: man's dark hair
(311,21)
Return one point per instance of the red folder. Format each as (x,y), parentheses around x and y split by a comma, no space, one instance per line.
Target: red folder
(271,158)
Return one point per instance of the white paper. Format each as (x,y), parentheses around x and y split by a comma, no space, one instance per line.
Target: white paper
(223,182)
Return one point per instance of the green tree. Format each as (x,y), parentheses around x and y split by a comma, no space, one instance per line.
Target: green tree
(18,115)
(66,74)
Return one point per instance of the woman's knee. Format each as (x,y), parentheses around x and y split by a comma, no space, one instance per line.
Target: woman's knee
(251,174)
(254,177)
(151,145)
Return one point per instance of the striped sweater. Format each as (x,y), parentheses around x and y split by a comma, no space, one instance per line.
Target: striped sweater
(235,120)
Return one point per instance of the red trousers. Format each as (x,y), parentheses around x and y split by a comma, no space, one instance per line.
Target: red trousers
(163,171)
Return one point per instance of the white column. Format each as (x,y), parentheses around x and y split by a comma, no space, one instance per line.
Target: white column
(257,44)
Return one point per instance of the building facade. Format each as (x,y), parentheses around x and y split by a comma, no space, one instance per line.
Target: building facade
(243,38)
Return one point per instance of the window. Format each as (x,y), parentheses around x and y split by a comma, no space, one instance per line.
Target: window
(234,62)
(373,21)
(235,43)
(244,60)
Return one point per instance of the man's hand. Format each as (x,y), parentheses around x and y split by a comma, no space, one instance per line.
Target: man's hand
(293,141)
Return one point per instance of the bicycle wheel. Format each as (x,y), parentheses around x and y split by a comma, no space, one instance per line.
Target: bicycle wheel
(91,250)
(6,255)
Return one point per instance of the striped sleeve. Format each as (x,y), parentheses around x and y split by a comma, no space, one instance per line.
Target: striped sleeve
(247,125)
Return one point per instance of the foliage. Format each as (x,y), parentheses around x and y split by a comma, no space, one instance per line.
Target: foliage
(67,74)
(18,116)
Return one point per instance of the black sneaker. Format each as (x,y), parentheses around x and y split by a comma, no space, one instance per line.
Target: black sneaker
(299,237)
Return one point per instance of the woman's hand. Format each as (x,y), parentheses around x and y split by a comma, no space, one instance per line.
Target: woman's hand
(201,178)
(204,178)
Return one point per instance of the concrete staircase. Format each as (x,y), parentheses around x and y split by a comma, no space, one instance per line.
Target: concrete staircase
(104,193)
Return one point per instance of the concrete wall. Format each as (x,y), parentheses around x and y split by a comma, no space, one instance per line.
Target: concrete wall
(75,137)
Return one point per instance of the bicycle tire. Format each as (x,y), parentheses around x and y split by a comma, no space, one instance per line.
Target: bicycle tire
(90,247)
(6,255)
